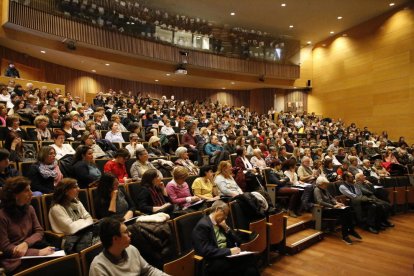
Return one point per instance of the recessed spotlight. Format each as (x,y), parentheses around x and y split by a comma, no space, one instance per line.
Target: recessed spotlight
(43,52)
(224,88)
(294,87)
(232,83)
(232,13)
(344,35)
(324,45)
(339,17)
(283,5)
(309,42)
(156,80)
(93,71)
(107,64)
(331,32)
(168,74)
(392,4)
(291,26)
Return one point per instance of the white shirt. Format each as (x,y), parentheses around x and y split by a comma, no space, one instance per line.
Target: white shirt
(62,151)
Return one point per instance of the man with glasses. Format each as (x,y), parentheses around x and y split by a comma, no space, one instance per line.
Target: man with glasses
(118,256)
(214,240)
(89,140)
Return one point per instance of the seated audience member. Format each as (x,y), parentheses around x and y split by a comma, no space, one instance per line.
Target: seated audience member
(84,168)
(42,133)
(133,145)
(114,135)
(184,160)
(214,240)
(354,153)
(20,231)
(190,142)
(273,155)
(290,172)
(45,174)
(90,126)
(60,147)
(329,170)
(379,169)
(118,256)
(203,186)
(151,196)
(366,211)
(68,216)
(353,165)
(154,147)
(369,173)
(225,181)
(71,134)
(117,167)
(15,136)
(178,189)
(334,147)
(89,140)
(257,160)
(110,200)
(230,146)
(117,119)
(378,196)
(142,164)
(213,148)
(342,169)
(246,173)
(335,209)
(54,119)
(252,145)
(6,171)
(305,172)
(77,122)
(372,151)
(284,187)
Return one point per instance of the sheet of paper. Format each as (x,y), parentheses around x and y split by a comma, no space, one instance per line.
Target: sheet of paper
(59,253)
(242,253)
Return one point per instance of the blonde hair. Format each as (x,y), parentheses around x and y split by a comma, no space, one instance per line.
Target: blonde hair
(39,119)
(221,167)
(180,173)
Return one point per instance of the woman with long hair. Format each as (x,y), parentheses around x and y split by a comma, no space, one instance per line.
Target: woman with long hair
(68,215)
(151,196)
(20,230)
(112,201)
(225,181)
(84,166)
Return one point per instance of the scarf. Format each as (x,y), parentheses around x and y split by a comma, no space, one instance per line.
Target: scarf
(48,170)
(156,197)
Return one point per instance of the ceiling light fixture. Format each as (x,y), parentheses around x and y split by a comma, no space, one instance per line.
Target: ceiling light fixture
(232,13)
(224,88)
(392,4)
(168,74)
(43,52)
(283,5)
(339,17)
(331,32)
(233,83)
(93,71)
(291,26)
(156,80)
(309,42)
(107,64)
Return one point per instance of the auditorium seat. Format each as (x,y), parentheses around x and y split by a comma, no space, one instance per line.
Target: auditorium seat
(62,266)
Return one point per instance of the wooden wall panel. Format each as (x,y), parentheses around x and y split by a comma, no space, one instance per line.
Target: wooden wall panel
(368,76)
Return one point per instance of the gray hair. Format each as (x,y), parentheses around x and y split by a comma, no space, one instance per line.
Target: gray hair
(219,204)
(180,150)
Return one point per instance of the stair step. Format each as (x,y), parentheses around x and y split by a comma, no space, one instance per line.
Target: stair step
(302,240)
(295,225)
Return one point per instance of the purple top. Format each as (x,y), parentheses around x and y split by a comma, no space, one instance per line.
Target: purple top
(178,193)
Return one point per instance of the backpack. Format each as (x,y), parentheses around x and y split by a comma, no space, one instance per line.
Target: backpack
(29,153)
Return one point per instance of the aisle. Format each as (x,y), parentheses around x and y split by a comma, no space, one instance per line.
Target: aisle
(389,253)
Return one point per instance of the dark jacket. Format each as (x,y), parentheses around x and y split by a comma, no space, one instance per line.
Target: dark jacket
(80,171)
(205,242)
(44,185)
(143,200)
(102,205)
(324,198)
(279,180)
(8,172)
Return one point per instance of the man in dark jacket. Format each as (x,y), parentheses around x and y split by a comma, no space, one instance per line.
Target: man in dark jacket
(215,241)
(11,71)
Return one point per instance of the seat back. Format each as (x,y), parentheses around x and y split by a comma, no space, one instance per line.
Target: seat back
(36,202)
(259,227)
(64,266)
(92,198)
(190,179)
(184,266)
(277,228)
(183,227)
(239,219)
(24,167)
(132,189)
(87,255)
(84,198)
(128,165)
(46,205)
(100,163)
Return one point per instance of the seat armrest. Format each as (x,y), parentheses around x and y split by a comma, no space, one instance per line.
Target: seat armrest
(198,258)
(244,231)
(270,185)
